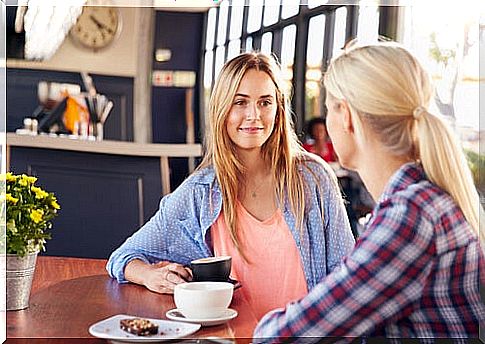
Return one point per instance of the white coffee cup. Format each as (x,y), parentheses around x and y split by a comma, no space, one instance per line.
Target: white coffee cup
(203,300)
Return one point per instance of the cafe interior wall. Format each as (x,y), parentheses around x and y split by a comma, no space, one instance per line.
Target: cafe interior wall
(158,112)
(118,59)
(121,59)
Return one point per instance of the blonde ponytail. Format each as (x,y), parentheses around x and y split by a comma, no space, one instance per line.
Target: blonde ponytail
(389,90)
(445,165)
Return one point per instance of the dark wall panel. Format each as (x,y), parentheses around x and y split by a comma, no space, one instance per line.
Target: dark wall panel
(182,34)
(104,198)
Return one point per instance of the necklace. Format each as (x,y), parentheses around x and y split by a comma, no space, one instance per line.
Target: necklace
(254,193)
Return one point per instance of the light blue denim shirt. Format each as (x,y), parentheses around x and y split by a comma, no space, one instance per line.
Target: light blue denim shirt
(179,230)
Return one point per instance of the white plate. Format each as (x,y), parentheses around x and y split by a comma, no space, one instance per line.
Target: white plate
(229,314)
(110,329)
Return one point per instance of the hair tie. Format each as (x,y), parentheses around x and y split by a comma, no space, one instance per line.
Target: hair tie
(418,111)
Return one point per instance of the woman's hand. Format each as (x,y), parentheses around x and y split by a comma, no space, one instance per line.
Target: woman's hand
(161,277)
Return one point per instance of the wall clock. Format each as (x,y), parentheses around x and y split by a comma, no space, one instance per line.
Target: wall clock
(97,27)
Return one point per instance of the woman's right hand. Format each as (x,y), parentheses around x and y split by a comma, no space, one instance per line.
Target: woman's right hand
(161,277)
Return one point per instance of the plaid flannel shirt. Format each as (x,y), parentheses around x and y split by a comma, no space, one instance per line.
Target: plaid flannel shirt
(415,272)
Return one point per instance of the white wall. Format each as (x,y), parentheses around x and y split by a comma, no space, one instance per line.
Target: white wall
(118,59)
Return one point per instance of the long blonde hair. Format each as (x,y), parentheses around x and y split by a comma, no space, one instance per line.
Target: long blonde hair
(281,151)
(390,91)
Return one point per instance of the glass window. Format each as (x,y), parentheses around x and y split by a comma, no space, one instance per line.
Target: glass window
(254,15)
(339,33)
(448,46)
(249,44)
(271,12)
(266,42)
(288,55)
(219,60)
(290,8)
(368,24)
(208,59)
(316,3)
(237,10)
(222,26)
(316,31)
(211,28)
(233,49)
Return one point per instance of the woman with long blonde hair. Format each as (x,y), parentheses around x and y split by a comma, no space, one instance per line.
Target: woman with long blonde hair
(257,196)
(417,268)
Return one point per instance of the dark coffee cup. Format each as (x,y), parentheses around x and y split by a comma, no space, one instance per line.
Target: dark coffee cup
(215,269)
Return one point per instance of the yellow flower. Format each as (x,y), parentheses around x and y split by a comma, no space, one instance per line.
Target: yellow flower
(31,180)
(39,193)
(36,215)
(25,180)
(10,198)
(55,205)
(10,177)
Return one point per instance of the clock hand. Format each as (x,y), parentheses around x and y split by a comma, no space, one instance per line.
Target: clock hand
(99,24)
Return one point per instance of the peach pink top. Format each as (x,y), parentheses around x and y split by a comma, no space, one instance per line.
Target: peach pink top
(274,276)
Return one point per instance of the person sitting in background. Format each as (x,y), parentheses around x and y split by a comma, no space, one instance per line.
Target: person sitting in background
(417,268)
(257,196)
(318,142)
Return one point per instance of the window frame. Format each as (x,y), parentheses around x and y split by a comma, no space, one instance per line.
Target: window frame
(301,20)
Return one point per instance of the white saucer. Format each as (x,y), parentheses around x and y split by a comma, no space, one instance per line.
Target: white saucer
(175,314)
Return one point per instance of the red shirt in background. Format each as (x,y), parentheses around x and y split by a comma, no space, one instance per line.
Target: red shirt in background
(328,155)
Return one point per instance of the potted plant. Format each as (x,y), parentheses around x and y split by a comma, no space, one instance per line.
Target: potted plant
(28,214)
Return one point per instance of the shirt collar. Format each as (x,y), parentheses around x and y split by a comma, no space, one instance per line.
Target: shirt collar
(407,174)
(206,176)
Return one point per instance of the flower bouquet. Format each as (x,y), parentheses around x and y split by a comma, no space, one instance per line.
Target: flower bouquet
(27,211)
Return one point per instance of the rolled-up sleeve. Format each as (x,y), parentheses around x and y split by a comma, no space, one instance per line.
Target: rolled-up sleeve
(147,244)
(172,234)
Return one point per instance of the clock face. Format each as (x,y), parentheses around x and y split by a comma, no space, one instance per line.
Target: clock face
(96,27)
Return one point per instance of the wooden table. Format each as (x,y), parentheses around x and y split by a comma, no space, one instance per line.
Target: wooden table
(70,294)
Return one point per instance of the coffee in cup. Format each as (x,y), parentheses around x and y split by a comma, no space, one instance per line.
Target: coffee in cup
(203,300)
(215,269)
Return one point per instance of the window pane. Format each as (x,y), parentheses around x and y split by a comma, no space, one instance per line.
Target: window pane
(449,49)
(339,33)
(316,3)
(208,68)
(233,49)
(368,26)
(222,26)
(237,8)
(254,15)
(271,12)
(219,59)
(266,42)
(316,31)
(211,28)
(288,44)
(290,8)
(249,44)
(288,55)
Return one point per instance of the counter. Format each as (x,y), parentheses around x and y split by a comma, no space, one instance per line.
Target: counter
(163,151)
(106,189)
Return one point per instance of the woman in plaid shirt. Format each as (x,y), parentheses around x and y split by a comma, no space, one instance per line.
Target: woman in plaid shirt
(415,271)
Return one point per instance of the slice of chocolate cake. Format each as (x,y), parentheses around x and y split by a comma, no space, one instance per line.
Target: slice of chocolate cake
(139,326)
